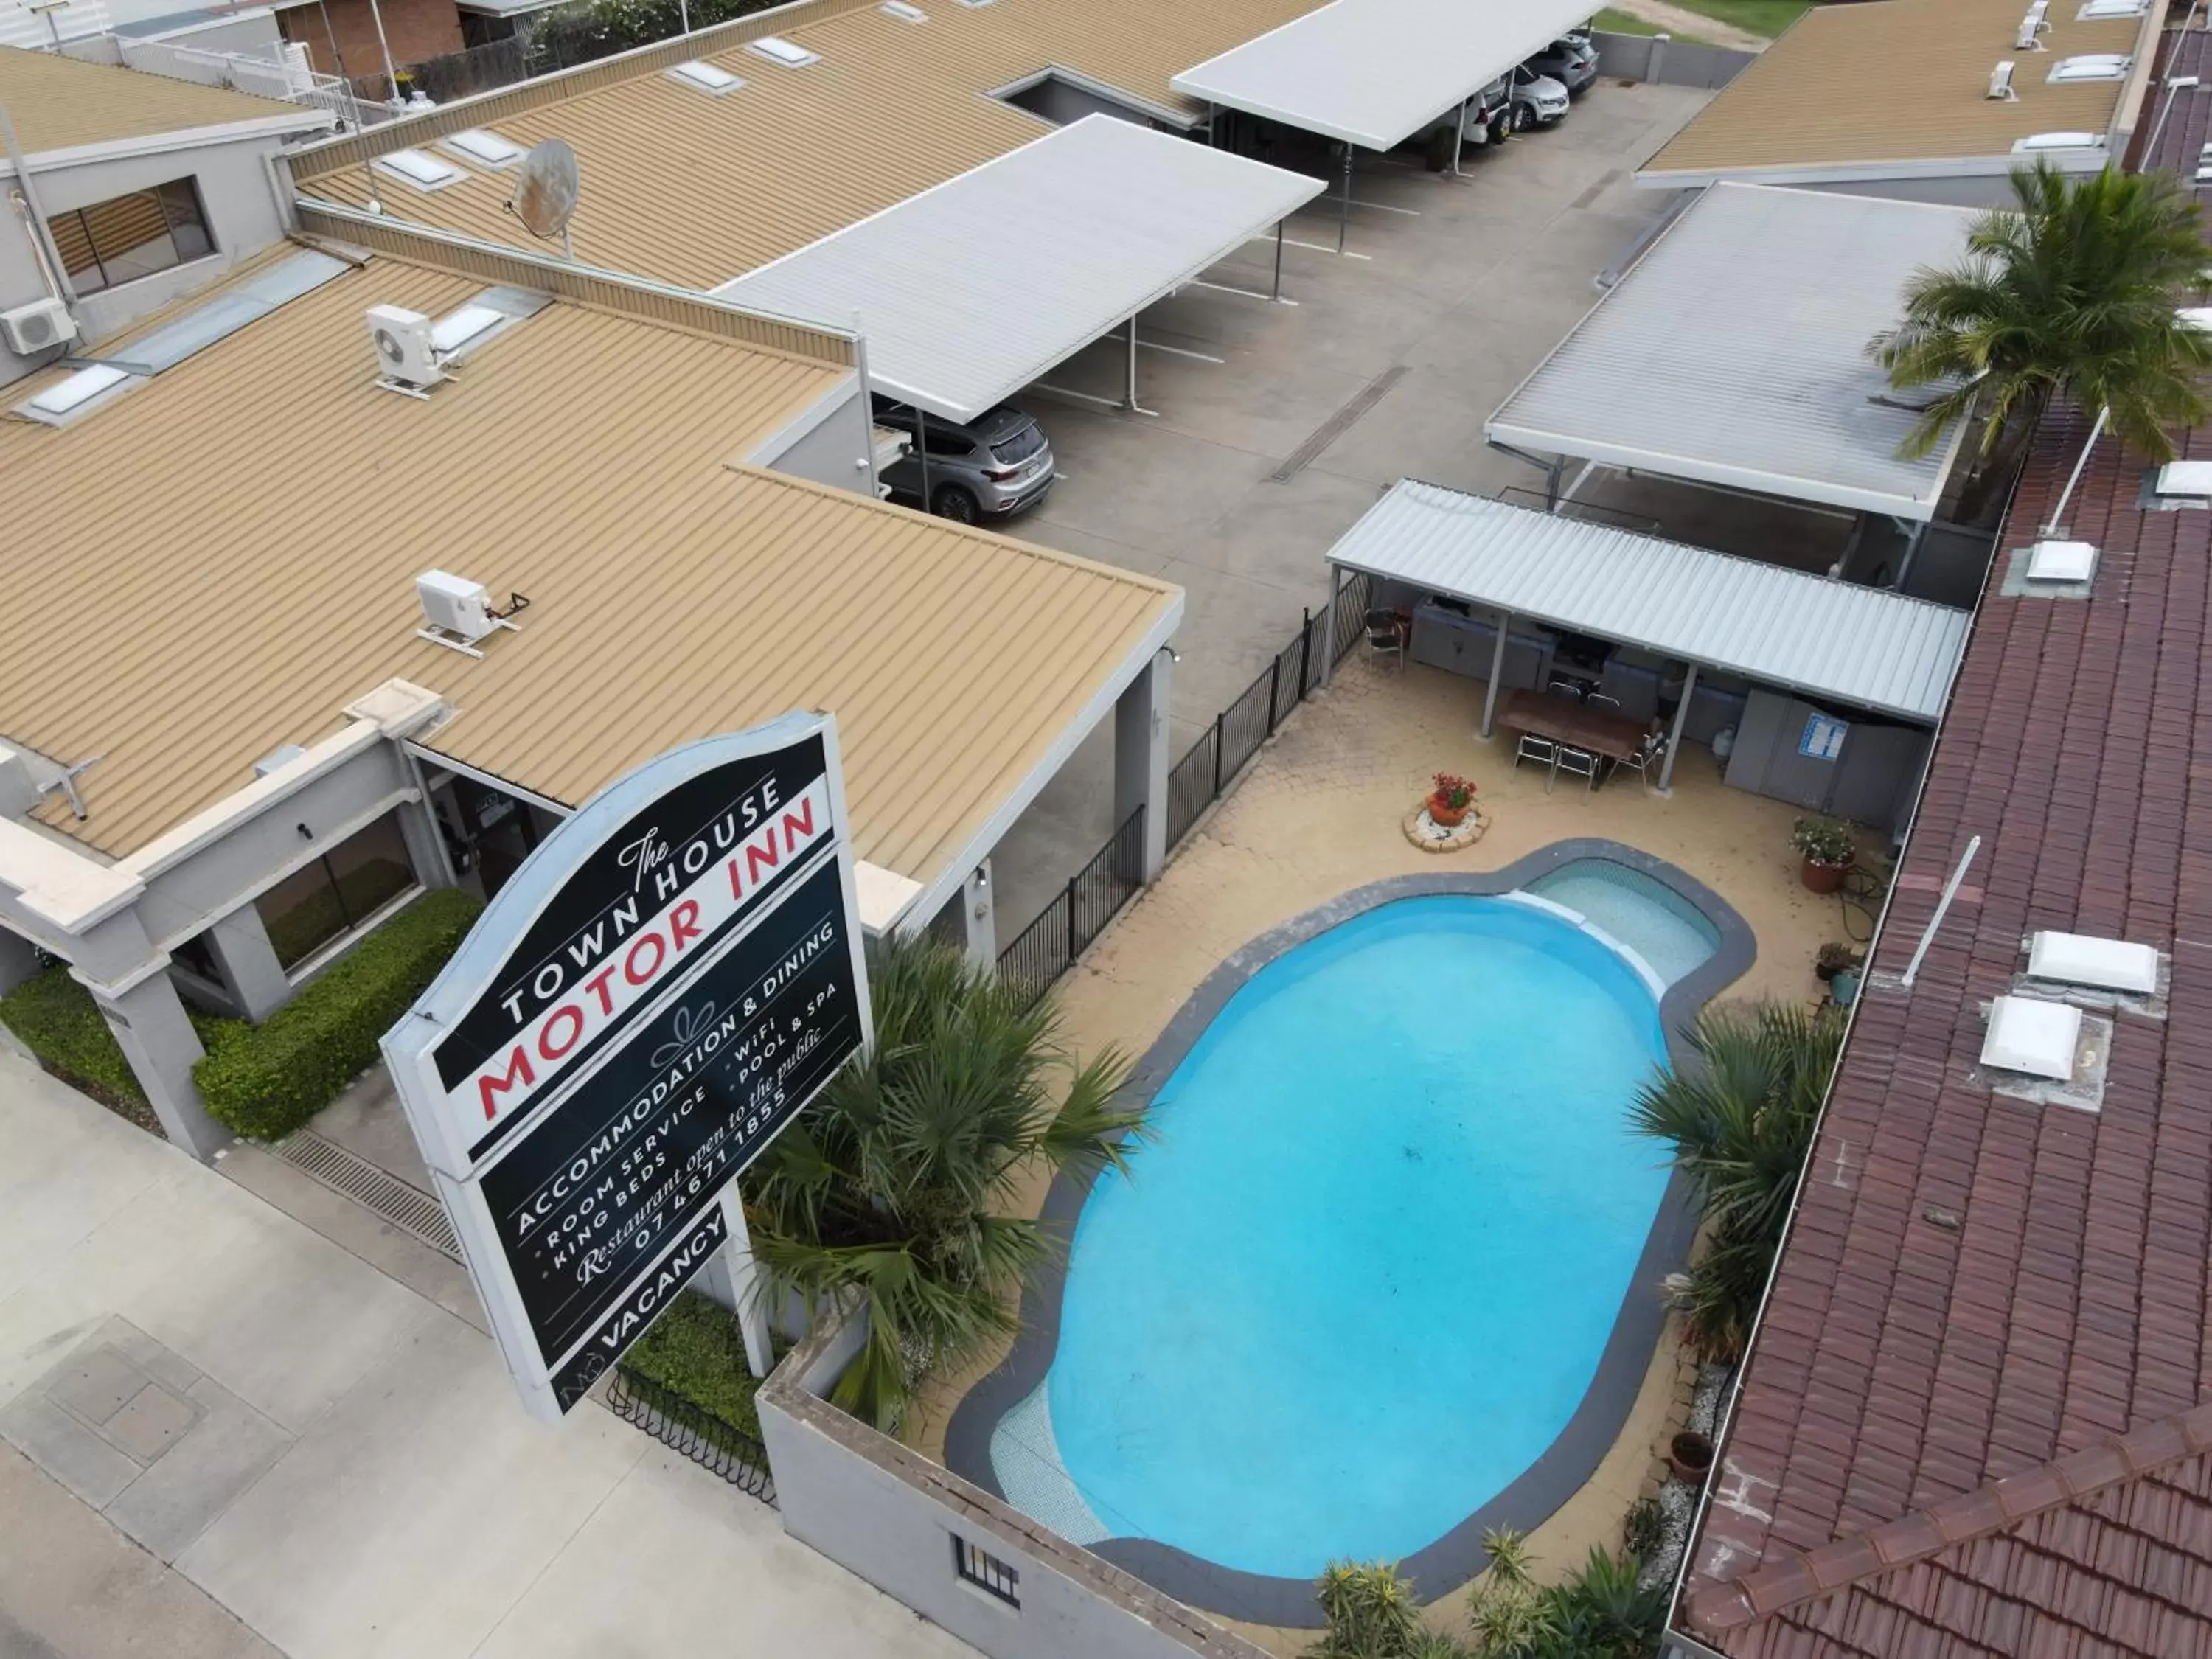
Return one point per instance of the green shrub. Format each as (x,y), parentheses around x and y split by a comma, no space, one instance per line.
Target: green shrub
(266,1081)
(695,1351)
(57,1021)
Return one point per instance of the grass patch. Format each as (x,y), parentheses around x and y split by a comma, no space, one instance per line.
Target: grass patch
(696,1351)
(1620,22)
(1762,17)
(56,1019)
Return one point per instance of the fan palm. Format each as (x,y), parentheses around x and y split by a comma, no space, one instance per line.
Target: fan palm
(2074,292)
(1741,1122)
(893,1191)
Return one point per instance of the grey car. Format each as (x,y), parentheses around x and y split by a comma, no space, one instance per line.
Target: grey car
(1571,60)
(990,468)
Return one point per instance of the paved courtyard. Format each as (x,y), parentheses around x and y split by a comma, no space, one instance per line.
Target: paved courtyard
(224,1436)
(1318,814)
(1386,367)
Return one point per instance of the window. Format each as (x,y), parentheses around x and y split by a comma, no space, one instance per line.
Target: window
(127,237)
(331,895)
(986,1571)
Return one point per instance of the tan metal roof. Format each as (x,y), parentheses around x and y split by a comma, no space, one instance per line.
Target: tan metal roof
(211,565)
(695,189)
(58,103)
(1896,81)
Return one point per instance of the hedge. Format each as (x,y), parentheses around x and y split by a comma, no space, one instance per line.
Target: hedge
(266,1081)
(57,1021)
(695,1351)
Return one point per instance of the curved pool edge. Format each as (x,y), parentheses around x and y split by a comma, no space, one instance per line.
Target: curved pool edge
(1564,1467)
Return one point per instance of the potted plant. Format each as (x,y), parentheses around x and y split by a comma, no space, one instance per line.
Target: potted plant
(1827,850)
(1451,800)
(1835,957)
(1690,1455)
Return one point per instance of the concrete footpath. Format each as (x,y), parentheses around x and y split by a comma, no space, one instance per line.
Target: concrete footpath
(221,1434)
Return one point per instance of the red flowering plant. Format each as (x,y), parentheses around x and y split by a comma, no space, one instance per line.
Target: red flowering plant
(1452,794)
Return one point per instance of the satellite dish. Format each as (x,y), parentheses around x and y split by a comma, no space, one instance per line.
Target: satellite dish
(545,187)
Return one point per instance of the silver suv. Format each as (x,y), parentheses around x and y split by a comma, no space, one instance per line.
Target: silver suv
(991,468)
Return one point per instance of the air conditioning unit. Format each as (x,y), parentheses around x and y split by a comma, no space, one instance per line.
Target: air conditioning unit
(2032,27)
(38,326)
(405,353)
(453,605)
(2000,82)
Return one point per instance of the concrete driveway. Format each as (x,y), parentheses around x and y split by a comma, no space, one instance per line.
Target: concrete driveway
(1385,368)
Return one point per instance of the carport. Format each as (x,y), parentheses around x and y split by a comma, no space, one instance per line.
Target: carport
(1371,74)
(971,290)
(1878,651)
(1733,355)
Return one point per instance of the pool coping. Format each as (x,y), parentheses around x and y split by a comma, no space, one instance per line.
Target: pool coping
(1564,1466)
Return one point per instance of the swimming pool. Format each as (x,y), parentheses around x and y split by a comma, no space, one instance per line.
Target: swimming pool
(1361,1284)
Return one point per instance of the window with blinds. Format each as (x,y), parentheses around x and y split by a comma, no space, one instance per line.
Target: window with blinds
(127,237)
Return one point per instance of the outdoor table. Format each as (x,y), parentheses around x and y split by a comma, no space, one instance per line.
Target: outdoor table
(1564,719)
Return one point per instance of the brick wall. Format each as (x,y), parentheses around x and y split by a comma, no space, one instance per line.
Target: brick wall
(416,29)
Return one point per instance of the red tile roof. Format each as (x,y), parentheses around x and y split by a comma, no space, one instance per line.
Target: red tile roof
(1990,1437)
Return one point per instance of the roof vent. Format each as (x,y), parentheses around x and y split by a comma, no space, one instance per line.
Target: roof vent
(2032,27)
(2062,562)
(776,49)
(2000,82)
(2108,964)
(2192,478)
(484,147)
(2101,11)
(419,168)
(2037,143)
(702,77)
(903,12)
(457,612)
(2037,1037)
(2090,66)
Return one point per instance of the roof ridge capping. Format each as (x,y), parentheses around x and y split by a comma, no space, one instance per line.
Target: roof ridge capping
(1912,1538)
(308,161)
(637,297)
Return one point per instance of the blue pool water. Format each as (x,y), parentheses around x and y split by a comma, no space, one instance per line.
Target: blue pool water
(1364,1277)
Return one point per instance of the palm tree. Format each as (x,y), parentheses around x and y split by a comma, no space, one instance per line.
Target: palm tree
(2074,294)
(1741,1122)
(892,1192)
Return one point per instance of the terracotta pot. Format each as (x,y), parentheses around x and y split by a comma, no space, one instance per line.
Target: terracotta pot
(1690,1456)
(1447,817)
(1822,878)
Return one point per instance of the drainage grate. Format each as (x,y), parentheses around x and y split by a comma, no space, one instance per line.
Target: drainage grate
(409,1208)
(1338,425)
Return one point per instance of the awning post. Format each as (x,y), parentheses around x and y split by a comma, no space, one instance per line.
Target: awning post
(1675,736)
(1458,135)
(1328,625)
(1277,292)
(1552,483)
(1129,401)
(1497,671)
(1911,552)
(1344,208)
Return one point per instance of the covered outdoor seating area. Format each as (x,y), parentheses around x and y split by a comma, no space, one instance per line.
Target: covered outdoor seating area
(1602,649)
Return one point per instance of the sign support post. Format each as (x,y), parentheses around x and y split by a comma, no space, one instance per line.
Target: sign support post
(748,1289)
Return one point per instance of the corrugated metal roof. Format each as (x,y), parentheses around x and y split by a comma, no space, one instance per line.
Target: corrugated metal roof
(1375,72)
(58,103)
(1735,352)
(697,189)
(1900,83)
(969,291)
(1879,650)
(213,566)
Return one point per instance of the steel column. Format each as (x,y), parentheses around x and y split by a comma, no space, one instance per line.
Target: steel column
(1674,738)
(1277,293)
(1344,208)
(1497,671)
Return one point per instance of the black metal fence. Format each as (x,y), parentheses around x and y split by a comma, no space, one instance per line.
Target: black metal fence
(706,1439)
(1048,946)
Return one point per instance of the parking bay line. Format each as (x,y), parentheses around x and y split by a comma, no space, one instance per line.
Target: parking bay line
(1312,247)
(1196,356)
(1250,294)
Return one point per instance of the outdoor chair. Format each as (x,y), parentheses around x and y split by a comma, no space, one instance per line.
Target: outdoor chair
(1651,752)
(1580,762)
(1599,700)
(1569,689)
(1535,749)
(1387,634)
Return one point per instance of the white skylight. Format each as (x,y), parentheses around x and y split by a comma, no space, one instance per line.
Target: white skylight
(2062,562)
(2030,1036)
(2099,10)
(2092,66)
(2184,478)
(2110,964)
(79,389)
(706,77)
(420,169)
(2042,141)
(975,3)
(789,53)
(904,12)
(481,145)
(453,332)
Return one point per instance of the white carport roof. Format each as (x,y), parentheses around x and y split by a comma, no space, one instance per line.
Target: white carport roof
(1376,72)
(1877,650)
(1735,353)
(969,291)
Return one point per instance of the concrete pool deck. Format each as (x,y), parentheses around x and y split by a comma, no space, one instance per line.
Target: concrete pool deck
(1317,815)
